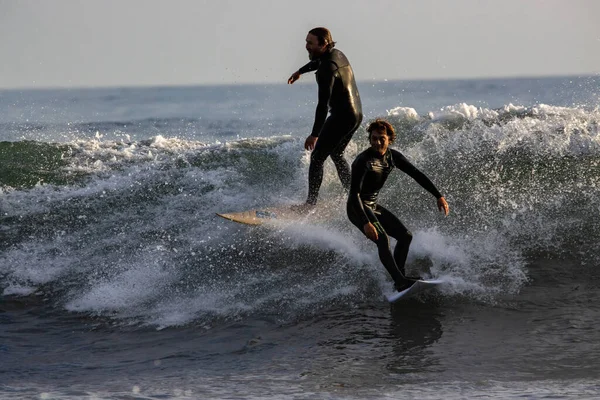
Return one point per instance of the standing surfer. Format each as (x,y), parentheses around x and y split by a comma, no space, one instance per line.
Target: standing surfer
(339,96)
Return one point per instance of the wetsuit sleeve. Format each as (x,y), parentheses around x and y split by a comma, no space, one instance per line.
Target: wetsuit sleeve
(405,166)
(311,66)
(325,80)
(359,171)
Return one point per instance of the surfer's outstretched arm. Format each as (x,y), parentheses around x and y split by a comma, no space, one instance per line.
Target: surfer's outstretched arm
(405,166)
(311,66)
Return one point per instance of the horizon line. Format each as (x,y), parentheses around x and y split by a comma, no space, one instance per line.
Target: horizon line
(273,83)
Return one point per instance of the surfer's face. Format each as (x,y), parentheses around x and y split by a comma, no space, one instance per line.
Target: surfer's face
(315,50)
(379,141)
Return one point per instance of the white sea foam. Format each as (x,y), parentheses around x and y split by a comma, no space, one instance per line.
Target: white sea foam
(455,112)
(407,113)
(325,238)
(541,130)
(480,265)
(27,265)
(128,289)
(18,290)
(96,155)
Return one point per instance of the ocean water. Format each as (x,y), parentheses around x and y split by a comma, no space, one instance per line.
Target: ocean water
(118,281)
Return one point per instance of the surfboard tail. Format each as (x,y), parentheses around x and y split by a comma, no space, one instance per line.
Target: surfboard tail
(416,288)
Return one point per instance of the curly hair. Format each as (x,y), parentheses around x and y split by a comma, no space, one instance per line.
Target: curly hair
(381,125)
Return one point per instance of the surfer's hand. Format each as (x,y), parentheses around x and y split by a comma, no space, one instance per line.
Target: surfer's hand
(443,205)
(295,76)
(310,142)
(370,231)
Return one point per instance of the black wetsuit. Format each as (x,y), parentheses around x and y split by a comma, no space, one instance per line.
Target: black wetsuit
(339,96)
(369,173)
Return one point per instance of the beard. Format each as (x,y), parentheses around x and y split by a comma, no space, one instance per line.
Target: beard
(315,54)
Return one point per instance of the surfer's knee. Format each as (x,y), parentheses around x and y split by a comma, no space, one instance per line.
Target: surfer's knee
(338,158)
(316,158)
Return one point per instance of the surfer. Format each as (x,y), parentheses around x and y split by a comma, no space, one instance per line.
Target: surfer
(370,170)
(339,96)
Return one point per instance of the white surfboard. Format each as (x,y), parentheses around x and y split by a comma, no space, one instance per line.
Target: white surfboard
(260,216)
(419,286)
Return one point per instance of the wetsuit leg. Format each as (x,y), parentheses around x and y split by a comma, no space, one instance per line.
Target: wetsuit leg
(396,229)
(383,245)
(333,139)
(337,156)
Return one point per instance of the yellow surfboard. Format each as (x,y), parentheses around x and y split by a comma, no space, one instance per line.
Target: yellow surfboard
(260,216)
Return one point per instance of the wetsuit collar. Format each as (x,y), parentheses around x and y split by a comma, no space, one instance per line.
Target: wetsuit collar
(326,54)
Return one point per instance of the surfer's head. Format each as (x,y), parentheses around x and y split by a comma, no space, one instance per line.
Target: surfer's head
(318,41)
(382,126)
(381,135)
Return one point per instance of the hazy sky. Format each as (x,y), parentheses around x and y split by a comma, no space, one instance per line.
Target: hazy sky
(151,42)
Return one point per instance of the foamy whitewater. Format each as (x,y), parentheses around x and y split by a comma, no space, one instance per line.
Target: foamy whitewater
(117,279)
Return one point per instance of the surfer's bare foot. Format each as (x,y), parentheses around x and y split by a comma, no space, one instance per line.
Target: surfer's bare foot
(303,208)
